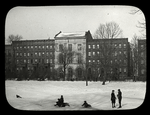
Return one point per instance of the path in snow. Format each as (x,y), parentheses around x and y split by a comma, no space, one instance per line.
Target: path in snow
(42,95)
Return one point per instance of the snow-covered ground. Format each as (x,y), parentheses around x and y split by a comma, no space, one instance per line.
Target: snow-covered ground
(42,95)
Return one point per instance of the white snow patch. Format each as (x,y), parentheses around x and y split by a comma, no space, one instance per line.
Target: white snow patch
(42,95)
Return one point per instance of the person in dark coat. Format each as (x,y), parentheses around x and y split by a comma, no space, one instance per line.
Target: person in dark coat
(113,98)
(60,101)
(119,97)
(86,105)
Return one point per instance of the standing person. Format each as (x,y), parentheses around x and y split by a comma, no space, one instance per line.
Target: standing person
(113,98)
(119,97)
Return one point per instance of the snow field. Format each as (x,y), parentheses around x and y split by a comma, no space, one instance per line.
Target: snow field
(42,95)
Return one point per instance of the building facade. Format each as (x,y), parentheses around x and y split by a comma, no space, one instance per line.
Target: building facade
(31,55)
(8,60)
(70,55)
(111,55)
(142,59)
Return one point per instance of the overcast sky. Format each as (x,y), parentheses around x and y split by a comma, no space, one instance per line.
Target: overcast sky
(45,22)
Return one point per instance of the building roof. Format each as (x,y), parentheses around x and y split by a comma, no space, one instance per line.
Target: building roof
(71,34)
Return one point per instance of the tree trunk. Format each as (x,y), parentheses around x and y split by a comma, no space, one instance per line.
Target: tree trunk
(64,73)
(104,77)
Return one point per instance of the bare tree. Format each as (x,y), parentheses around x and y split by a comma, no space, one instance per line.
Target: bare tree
(108,30)
(141,25)
(65,58)
(14,38)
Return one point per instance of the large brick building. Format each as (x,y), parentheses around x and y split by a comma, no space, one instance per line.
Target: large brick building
(142,59)
(43,58)
(33,55)
(112,54)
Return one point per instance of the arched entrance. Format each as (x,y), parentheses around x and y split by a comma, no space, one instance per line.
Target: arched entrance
(79,72)
(60,74)
(70,73)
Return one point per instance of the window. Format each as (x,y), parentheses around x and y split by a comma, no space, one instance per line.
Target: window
(17,48)
(24,54)
(125,61)
(142,54)
(50,60)
(119,45)
(125,70)
(115,45)
(47,61)
(93,53)
(111,61)
(47,46)
(39,53)
(89,46)
(28,47)
(70,47)
(17,61)
(120,61)
(61,58)
(50,46)
(69,60)
(20,47)
(20,54)
(39,47)
(93,61)
(79,58)
(35,46)
(115,53)
(97,52)
(115,60)
(17,54)
(42,53)
(93,46)
(142,46)
(89,54)
(35,60)
(35,53)
(31,46)
(51,53)
(119,69)
(79,47)
(142,61)
(46,53)
(125,52)
(124,45)
(28,54)
(60,47)
(28,60)
(24,61)
(142,71)
(120,52)
(97,61)
(89,61)
(97,46)
(24,47)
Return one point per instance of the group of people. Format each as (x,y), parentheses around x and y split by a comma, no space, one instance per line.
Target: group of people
(113,98)
(61,103)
